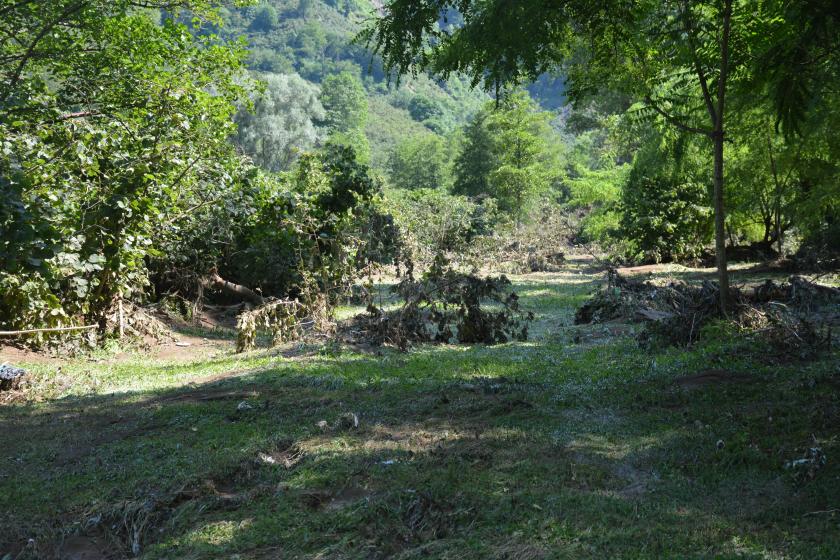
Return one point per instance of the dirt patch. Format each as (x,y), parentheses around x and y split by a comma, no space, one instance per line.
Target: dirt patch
(286,454)
(188,348)
(184,348)
(16,355)
(86,548)
(709,377)
(644,269)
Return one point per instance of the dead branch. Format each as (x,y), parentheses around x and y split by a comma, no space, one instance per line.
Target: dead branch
(216,282)
(54,329)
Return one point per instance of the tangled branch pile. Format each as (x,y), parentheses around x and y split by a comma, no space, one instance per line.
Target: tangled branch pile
(786,318)
(534,247)
(446,305)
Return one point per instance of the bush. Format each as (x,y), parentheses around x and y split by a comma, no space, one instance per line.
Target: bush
(665,205)
(434,221)
(28,303)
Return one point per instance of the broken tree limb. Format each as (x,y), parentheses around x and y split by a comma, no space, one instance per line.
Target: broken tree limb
(216,282)
(55,329)
(654,315)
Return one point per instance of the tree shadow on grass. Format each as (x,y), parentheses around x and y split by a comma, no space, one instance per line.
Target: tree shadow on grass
(454,455)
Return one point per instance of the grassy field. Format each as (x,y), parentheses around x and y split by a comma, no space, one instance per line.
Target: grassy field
(576,444)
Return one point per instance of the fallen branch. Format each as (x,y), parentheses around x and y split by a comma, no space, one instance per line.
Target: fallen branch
(281,318)
(55,329)
(216,282)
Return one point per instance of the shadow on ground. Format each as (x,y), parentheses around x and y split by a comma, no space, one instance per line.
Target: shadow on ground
(424,455)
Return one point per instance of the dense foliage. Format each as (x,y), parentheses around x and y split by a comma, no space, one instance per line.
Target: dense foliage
(110,120)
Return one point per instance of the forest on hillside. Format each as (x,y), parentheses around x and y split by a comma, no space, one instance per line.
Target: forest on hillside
(358,193)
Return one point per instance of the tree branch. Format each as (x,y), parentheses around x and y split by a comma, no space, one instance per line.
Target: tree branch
(674,120)
(698,68)
(15,77)
(214,281)
(724,64)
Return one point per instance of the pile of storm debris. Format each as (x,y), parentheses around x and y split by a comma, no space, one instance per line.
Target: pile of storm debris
(792,318)
(446,306)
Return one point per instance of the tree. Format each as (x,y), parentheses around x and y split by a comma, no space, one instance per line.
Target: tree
(664,202)
(475,161)
(265,18)
(419,162)
(679,58)
(134,119)
(346,112)
(504,153)
(345,102)
(764,171)
(282,123)
(519,129)
(795,64)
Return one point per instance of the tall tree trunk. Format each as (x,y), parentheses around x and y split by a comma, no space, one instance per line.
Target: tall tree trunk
(720,220)
(716,106)
(718,137)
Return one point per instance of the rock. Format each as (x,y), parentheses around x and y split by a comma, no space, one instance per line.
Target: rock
(10,377)
(267,459)
(244,405)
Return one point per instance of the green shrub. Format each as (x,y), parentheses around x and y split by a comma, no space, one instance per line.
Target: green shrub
(434,221)
(665,203)
(27,302)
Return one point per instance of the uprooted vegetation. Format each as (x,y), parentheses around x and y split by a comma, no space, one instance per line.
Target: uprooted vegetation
(445,305)
(791,319)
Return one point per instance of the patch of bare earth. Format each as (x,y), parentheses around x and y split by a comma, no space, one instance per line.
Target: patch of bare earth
(709,377)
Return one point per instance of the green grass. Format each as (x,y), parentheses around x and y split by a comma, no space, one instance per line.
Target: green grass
(544,449)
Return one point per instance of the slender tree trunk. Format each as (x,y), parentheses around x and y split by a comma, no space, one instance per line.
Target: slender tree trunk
(718,138)
(716,106)
(779,233)
(777,208)
(720,220)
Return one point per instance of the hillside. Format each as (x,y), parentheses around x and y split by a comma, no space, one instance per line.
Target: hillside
(315,39)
